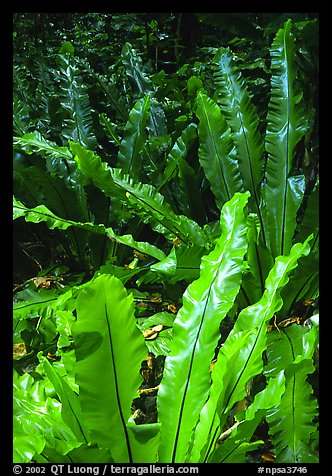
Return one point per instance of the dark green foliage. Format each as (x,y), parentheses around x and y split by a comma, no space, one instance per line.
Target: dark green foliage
(166,185)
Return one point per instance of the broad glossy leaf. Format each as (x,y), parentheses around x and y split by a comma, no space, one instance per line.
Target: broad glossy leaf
(109,351)
(291,423)
(84,453)
(65,347)
(38,419)
(234,449)
(180,179)
(43,214)
(241,115)
(25,448)
(142,86)
(286,125)
(134,69)
(178,152)
(142,199)
(183,262)
(256,317)
(161,340)
(208,427)
(216,152)
(305,280)
(188,193)
(124,274)
(186,379)
(259,260)
(90,453)
(30,304)
(75,101)
(238,452)
(145,441)
(157,123)
(34,142)
(240,357)
(110,129)
(304,285)
(129,157)
(71,411)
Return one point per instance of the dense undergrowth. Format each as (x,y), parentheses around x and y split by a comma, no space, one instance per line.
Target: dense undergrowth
(166,237)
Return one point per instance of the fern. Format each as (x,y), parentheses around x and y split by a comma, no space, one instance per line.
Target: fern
(110,89)
(43,214)
(131,146)
(75,101)
(240,358)
(241,115)
(291,423)
(216,151)
(284,189)
(142,86)
(143,199)
(166,192)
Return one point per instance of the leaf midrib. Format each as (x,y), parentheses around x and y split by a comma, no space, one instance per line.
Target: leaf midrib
(117,391)
(245,366)
(282,245)
(216,151)
(195,345)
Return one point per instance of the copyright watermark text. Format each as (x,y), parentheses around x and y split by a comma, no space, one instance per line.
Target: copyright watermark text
(103,469)
(282,470)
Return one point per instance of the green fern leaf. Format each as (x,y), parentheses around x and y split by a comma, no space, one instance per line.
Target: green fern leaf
(286,125)
(291,423)
(109,350)
(134,139)
(109,87)
(43,214)
(75,101)
(186,379)
(241,115)
(34,142)
(216,151)
(240,358)
(142,199)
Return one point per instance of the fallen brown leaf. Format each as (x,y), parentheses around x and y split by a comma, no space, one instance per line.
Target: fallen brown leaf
(155,299)
(19,350)
(172,308)
(152,333)
(42,282)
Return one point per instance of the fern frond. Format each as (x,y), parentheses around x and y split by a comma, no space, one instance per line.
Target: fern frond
(129,157)
(142,199)
(43,214)
(286,125)
(75,101)
(241,115)
(291,423)
(216,151)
